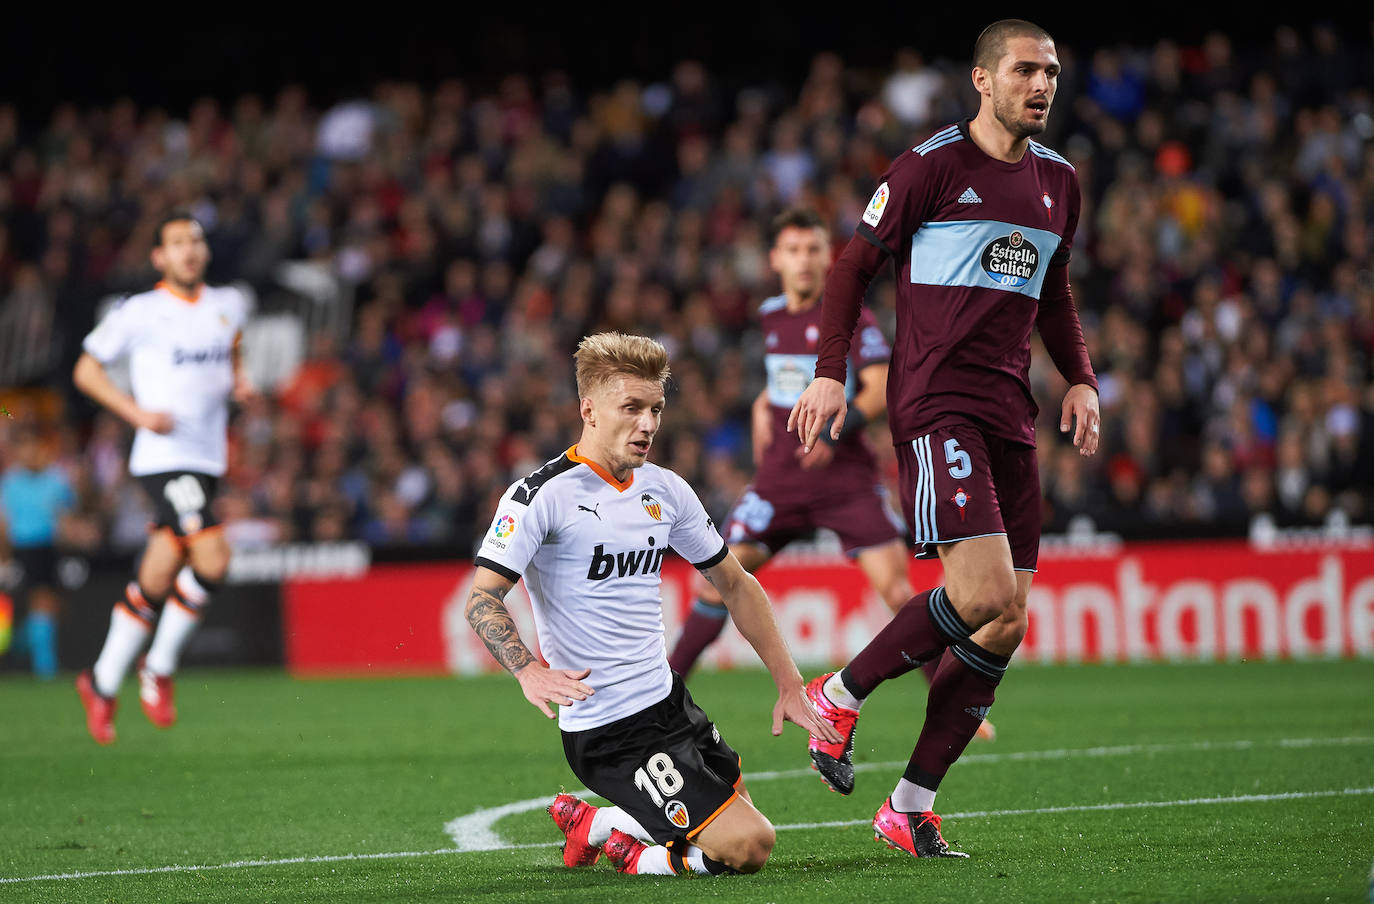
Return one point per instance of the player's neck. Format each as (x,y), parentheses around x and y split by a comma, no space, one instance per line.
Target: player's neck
(185,291)
(993,139)
(797,303)
(589,451)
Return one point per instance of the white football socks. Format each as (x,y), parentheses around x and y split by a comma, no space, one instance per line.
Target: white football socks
(177,623)
(654,861)
(122,646)
(174,627)
(839,694)
(608,818)
(910,797)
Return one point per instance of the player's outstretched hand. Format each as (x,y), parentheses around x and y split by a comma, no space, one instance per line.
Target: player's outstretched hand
(795,707)
(562,687)
(822,401)
(156,421)
(1080,409)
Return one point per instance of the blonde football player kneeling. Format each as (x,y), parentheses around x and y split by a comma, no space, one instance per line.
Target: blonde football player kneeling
(588,532)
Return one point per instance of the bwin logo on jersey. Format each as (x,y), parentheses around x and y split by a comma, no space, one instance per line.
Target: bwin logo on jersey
(1011,261)
(625,564)
(218,355)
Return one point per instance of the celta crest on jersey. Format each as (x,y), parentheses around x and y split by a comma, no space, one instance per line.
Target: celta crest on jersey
(627,563)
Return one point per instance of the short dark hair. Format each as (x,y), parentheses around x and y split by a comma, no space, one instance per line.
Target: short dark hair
(992,43)
(175,216)
(794,218)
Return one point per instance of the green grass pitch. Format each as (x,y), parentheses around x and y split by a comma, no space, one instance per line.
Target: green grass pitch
(1235,782)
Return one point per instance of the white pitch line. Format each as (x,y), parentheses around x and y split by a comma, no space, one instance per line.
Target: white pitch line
(1090,752)
(972,814)
(474,831)
(1136,805)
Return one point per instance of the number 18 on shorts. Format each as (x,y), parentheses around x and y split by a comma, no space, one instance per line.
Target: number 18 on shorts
(666,765)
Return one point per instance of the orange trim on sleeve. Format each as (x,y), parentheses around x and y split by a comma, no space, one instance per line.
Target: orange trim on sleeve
(621,485)
(167,287)
(707,821)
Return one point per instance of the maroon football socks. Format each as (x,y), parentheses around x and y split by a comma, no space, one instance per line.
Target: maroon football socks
(920,631)
(958,702)
(704,623)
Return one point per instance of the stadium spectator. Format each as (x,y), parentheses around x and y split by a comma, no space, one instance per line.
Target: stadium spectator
(1234,205)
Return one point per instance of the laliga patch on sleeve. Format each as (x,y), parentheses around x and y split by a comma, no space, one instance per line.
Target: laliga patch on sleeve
(875,209)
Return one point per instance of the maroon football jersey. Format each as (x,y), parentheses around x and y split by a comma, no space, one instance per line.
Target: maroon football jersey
(973,238)
(790,341)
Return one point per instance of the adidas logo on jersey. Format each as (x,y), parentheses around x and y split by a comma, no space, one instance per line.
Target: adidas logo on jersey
(970,197)
(625,564)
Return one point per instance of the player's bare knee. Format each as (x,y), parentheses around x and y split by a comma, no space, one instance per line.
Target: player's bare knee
(897,596)
(210,559)
(213,572)
(750,856)
(987,598)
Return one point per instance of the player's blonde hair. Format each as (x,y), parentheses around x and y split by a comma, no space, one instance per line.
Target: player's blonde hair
(604,356)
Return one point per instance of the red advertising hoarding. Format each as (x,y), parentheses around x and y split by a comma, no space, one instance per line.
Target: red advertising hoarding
(1195,600)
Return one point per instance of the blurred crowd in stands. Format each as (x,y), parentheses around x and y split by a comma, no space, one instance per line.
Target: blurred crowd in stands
(1222,270)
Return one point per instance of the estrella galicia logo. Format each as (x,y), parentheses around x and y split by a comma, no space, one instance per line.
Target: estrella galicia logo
(676,811)
(1011,260)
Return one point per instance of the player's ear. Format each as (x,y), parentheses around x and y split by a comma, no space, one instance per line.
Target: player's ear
(587,412)
(980,78)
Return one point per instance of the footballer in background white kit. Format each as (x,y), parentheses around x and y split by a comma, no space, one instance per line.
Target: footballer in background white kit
(588,532)
(181,341)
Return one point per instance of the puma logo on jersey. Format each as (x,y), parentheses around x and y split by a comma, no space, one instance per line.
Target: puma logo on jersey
(625,564)
(593,510)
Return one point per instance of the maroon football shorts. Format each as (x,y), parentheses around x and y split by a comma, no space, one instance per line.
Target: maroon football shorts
(959,482)
(862,519)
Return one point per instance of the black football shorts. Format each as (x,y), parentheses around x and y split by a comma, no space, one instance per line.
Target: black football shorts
(182,500)
(666,765)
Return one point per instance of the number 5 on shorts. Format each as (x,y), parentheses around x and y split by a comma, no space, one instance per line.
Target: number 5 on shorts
(962,465)
(658,779)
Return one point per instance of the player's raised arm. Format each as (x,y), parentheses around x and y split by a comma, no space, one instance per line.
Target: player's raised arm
(486,612)
(753,616)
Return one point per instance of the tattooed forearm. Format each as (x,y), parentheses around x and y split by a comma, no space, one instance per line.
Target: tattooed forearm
(489,618)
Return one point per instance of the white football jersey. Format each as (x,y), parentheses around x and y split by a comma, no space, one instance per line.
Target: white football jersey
(181,362)
(591,551)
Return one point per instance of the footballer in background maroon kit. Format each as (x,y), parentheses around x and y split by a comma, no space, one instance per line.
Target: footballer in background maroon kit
(833,485)
(979,221)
